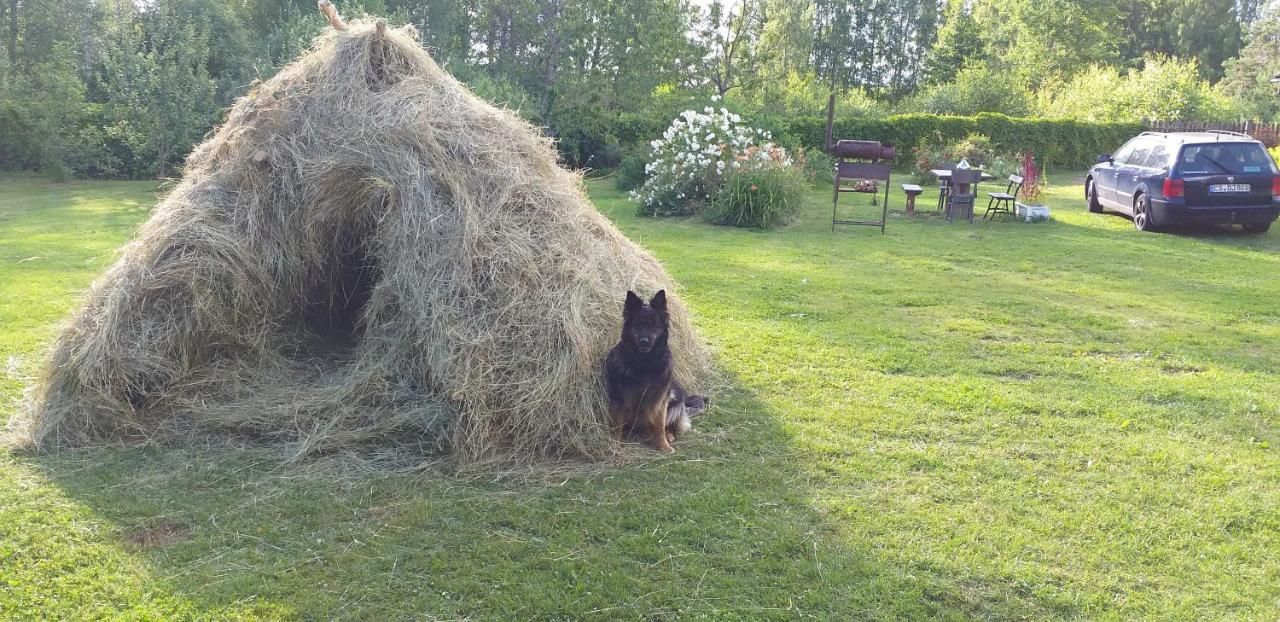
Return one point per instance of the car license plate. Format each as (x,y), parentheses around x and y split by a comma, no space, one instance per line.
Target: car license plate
(1229,188)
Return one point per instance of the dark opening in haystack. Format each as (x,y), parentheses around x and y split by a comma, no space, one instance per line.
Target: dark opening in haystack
(333,311)
(365,253)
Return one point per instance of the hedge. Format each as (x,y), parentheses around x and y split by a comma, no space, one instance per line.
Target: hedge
(1056,143)
(1074,144)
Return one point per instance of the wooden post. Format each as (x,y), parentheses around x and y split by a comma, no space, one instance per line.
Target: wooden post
(331,13)
(831,116)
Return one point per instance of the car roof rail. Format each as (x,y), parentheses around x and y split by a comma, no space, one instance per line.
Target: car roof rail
(1228,133)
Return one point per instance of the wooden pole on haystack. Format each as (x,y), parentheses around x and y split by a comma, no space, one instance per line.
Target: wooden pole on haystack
(331,13)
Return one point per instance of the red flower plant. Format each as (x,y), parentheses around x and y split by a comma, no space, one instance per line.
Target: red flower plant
(1032,181)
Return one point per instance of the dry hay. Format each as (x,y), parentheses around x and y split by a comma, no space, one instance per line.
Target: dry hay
(364,253)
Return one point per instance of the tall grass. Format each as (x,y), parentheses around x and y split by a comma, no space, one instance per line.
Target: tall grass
(763,198)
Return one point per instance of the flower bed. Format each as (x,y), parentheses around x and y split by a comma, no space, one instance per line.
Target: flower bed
(696,152)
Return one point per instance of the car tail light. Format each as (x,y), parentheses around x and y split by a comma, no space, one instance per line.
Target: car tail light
(1174,188)
(1275,188)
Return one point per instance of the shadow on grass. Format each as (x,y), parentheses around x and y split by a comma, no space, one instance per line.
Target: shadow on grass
(726,528)
(1234,235)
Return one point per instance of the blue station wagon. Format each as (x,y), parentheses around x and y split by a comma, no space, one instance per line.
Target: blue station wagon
(1174,178)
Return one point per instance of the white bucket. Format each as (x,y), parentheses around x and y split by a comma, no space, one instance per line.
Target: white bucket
(1032,213)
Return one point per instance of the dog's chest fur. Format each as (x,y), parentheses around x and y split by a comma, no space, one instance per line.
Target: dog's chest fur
(638,380)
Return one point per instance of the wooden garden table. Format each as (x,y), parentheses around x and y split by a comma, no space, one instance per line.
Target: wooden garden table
(944,174)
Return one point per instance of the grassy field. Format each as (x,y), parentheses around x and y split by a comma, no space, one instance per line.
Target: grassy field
(992,421)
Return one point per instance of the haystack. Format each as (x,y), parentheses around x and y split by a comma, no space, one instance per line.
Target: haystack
(364,253)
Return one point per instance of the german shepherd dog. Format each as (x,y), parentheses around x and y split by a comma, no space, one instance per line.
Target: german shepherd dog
(643,395)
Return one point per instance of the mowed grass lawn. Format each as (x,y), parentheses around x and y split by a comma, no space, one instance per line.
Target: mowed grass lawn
(990,421)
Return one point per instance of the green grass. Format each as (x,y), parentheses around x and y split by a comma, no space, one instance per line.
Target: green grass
(993,421)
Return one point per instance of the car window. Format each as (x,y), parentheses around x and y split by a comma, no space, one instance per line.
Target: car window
(1158,157)
(1225,158)
(1139,154)
(1123,152)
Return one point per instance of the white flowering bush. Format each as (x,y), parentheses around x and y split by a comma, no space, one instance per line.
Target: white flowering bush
(695,154)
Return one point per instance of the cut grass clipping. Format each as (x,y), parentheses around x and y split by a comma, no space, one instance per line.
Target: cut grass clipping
(364,253)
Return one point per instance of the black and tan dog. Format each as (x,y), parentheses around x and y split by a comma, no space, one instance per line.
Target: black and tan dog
(644,398)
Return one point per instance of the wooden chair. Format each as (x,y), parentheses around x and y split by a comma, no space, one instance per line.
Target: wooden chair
(944,186)
(963,194)
(1003,201)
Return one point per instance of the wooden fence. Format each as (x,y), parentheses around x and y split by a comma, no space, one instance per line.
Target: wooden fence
(1268,133)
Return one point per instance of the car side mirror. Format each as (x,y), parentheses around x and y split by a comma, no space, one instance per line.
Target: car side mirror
(1106,157)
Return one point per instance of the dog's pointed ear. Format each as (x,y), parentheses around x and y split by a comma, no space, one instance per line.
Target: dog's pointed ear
(633,301)
(659,300)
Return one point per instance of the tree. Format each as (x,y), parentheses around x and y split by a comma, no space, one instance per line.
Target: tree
(1249,10)
(971,91)
(803,94)
(1164,89)
(959,42)
(41,114)
(44,117)
(41,30)
(729,36)
(637,45)
(787,37)
(1248,77)
(443,27)
(1043,42)
(1210,31)
(160,97)
(877,45)
(9,26)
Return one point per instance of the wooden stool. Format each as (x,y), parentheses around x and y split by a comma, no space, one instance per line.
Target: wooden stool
(912,191)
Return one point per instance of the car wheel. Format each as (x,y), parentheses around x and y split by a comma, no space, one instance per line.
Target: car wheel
(1142,214)
(1091,195)
(1257,227)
